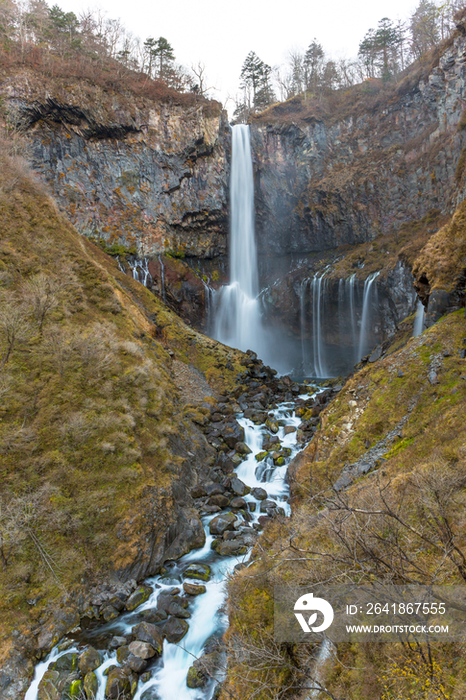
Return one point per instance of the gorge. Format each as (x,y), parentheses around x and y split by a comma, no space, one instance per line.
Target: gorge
(159,407)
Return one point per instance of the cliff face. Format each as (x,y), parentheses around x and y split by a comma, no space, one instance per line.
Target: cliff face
(145,173)
(338,181)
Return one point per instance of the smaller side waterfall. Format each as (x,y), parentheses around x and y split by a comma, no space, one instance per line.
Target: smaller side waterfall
(366,314)
(419,319)
(162,278)
(302,304)
(320,367)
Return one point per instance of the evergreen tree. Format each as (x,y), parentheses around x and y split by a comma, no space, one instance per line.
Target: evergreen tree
(313,66)
(63,30)
(379,50)
(163,53)
(255,82)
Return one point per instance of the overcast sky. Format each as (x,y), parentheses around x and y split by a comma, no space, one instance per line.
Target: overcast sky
(220,35)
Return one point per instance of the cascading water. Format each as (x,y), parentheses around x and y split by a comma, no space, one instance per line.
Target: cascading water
(162,277)
(419,318)
(320,368)
(166,677)
(365,318)
(237,319)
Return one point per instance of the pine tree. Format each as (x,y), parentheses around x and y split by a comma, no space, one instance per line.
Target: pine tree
(313,66)
(255,83)
(379,50)
(164,53)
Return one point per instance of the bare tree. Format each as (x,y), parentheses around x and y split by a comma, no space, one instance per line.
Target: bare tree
(14,327)
(199,73)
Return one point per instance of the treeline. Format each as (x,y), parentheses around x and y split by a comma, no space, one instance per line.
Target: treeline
(384,53)
(48,35)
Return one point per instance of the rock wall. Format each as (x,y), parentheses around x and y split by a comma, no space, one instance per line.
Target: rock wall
(328,183)
(145,173)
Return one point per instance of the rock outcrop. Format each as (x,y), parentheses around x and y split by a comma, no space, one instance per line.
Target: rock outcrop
(145,173)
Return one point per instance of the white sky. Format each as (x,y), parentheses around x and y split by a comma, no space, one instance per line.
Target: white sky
(221,35)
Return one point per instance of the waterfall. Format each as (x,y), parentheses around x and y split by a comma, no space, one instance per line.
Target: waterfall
(302,304)
(238,317)
(162,277)
(320,368)
(419,319)
(350,284)
(365,318)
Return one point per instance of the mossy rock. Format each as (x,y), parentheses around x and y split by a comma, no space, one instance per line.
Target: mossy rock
(90,685)
(200,571)
(195,678)
(261,455)
(76,689)
(139,597)
(67,662)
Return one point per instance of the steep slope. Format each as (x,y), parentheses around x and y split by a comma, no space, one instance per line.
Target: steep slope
(98,449)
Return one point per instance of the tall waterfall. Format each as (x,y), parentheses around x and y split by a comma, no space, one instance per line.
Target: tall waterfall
(237,316)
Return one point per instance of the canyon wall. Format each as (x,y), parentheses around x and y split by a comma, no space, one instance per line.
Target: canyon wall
(322,183)
(146,173)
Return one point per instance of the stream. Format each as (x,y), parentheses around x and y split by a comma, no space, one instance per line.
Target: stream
(165,676)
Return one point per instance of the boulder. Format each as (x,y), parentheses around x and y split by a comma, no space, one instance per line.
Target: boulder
(229,548)
(146,632)
(238,487)
(175,629)
(193,589)
(49,686)
(221,523)
(201,571)
(67,662)
(272,425)
(196,678)
(178,611)
(238,503)
(198,492)
(90,685)
(135,663)
(259,494)
(117,642)
(109,613)
(118,685)
(142,649)
(214,489)
(232,433)
(268,505)
(89,660)
(218,500)
(242,448)
(139,596)
(122,654)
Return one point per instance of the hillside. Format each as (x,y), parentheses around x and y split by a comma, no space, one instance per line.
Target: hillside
(98,450)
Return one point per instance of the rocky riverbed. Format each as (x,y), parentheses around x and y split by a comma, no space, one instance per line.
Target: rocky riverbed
(147,640)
